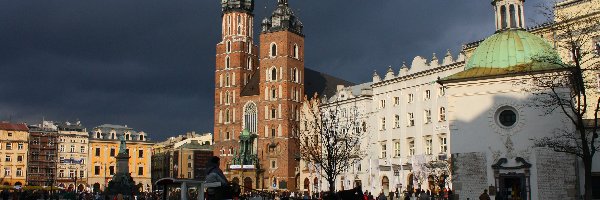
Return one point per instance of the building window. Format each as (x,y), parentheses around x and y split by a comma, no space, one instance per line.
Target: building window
(397,121)
(140,153)
(273,93)
(111,170)
(82,149)
(20,146)
(382,124)
(411,147)
(7,158)
(62,148)
(97,151)
(273,74)
(72,148)
(227,62)
(427,94)
(427,116)
(396,101)
(411,119)
(227,80)
(296,52)
(383,150)
(397,149)
(9,146)
(382,103)
(249,63)
(19,172)
(442,114)
(273,164)
(19,158)
(410,98)
(81,174)
(443,144)
(189,174)
(428,145)
(96,170)
(71,173)
(228,46)
(61,173)
(98,135)
(227,116)
(295,75)
(273,132)
(227,136)
(140,171)
(273,50)
(10,134)
(273,113)
(112,152)
(442,91)
(7,171)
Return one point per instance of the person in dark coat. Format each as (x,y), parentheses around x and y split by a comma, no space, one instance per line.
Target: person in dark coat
(484,196)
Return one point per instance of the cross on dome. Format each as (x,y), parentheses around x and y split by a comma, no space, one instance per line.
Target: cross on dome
(284,2)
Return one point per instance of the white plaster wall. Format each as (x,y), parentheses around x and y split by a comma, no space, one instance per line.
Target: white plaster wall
(473,124)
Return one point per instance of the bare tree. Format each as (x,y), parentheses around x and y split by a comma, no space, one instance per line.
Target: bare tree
(331,138)
(568,90)
(439,172)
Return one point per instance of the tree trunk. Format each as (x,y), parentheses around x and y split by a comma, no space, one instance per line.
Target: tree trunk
(587,163)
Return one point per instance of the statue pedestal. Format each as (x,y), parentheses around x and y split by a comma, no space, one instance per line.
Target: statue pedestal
(122,182)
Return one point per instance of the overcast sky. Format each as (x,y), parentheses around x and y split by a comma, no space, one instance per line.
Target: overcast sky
(149,64)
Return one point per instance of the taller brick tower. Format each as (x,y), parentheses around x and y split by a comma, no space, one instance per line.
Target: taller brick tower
(282,88)
(236,61)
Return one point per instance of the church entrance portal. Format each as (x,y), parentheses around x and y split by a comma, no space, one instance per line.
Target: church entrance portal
(512,187)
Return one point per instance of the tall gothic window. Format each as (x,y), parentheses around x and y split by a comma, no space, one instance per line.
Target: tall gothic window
(273,50)
(274,74)
(251,118)
(227,62)
(296,51)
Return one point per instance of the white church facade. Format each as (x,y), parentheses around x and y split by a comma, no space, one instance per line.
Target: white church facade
(472,112)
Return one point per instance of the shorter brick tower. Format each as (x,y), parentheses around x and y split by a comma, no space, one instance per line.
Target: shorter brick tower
(281,87)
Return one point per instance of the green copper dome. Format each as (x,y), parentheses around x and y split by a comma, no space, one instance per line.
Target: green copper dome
(513,48)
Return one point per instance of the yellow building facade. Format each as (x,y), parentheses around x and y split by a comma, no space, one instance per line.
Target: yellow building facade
(104,146)
(13,153)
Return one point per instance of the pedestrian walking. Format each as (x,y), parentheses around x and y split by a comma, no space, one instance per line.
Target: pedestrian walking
(484,196)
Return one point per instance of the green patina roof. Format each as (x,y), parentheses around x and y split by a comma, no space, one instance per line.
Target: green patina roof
(508,52)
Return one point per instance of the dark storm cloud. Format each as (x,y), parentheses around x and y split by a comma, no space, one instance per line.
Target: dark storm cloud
(149,64)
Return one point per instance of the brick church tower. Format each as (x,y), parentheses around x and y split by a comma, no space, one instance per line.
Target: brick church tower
(282,85)
(236,61)
(257,102)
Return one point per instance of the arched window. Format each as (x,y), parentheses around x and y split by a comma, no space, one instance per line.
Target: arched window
(227,62)
(250,47)
(227,115)
(98,135)
(295,75)
(228,46)
(273,93)
(274,74)
(296,52)
(226,97)
(227,80)
(513,16)
(249,63)
(251,118)
(503,16)
(273,50)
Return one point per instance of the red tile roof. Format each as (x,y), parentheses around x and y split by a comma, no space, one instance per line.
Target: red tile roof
(13,127)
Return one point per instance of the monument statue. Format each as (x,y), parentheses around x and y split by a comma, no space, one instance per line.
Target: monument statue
(122,145)
(122,182)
